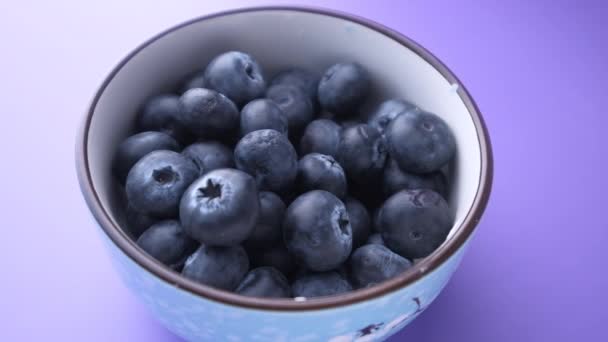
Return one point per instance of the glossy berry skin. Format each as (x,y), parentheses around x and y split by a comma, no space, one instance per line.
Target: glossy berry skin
(420,142)
(161,114)
(360,222)
(220,267)
(194,80)
(294,103)
(320,284)
(221,208)
(373,264)
(265,282)
(394,180)
(317,231)
(321,172)
(269,157)
(156,183)
(262,114)
(236,75)
(343,88)
(321,136)
(167,243)
(276,256)
(267,231)
(375,239)
(207,113)
(135,147)
(387,111)
(137,223)
(209,155)
(362,152)
(304,79)
(414,223)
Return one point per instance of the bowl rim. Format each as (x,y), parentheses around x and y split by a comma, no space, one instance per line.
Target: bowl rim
(426,266)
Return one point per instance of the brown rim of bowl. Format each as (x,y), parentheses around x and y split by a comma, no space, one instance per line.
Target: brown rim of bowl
(426,266)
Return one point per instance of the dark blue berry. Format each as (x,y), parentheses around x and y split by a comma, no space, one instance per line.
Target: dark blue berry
(275,256)
(420,142)
(136,147)
(221,208)
(359,221)
(321,136)
(321,172)
(387,111)
(156,183)
(209,155)
(343,88)
(267,231)
(294,103)
(137,222)
(265,282)
(362,153)
(220,267)
(375,239)
(320,284)
(208,114)
(304,79)
(373,264)
(262,114)
(317,231)
(269,157)
(414,223)
(194,80)
(161,113)
(167,243)
(395,179)
(236,75)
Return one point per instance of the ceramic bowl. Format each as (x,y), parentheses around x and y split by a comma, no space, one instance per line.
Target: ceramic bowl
(280,37)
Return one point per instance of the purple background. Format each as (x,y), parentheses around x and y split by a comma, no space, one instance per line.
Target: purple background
(536,270)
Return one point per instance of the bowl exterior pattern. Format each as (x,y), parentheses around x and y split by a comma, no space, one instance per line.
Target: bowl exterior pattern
(199,319)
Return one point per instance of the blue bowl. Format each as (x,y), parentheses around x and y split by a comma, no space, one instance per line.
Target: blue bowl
(280,37)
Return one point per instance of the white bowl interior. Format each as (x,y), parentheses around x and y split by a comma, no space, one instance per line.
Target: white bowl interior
(280,39)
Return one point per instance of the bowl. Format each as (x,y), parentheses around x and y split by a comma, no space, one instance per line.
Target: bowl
(280,37)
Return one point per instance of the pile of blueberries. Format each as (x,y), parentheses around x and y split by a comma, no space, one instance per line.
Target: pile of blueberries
(284,189)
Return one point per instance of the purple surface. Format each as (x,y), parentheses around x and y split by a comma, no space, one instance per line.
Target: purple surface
(536,270)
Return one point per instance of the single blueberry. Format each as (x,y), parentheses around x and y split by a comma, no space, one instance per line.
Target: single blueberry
(321,172)
(304,79)
(317,231)
(267,231)
(194,80)
(262,114)
(265,282)
(362,152)
(395,180)
(161,113)
(343,88)
(414,223)
(276,256)
(135,147)
(269,157)
(209,155)
(167,243)
(221,208)
(387,111)
(321,136)
(236,75)
(320,285)
(359,221)
(137,222)
(373,264)
(295,104)
(156,183)
(220,267)
(375,239)
(207,113)
(420,142)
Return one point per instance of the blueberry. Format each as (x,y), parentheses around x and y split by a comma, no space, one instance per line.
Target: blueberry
(317,231)
(321,136)
(276,256)
(349,123)
(321,172)
(373,264)
(375,239)
(236,75)
(267,230)
(161,113)
(343,88)
(414,223)
(207,113)
(156,183)
(395,179)
(320,284)
(262,114)
(220,267)
(304,79)
(294,103)
(269,157)
(221,208)
(209,155)
(359,221)
(167,243)
(265,282)
(420,142)
(387,111)
(362,152)
(194,80)
(137,222)
(135,147)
